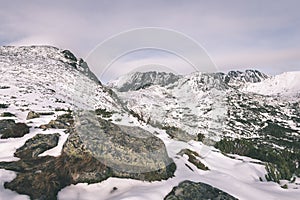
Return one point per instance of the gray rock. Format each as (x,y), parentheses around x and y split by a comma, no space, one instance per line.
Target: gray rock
(32,115)
(141,80)
(193,158)
(5,124)
(178,134)
(196,191)
(37,145)
(126,149)
(10,129)
(62,122)
(43,177)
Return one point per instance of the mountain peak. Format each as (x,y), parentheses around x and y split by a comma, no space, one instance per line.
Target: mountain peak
(219,80)
(140,80)
(52,74)
(283,84)
(248,76)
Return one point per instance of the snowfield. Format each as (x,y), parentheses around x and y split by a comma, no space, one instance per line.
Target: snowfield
(283,84)
(238,178)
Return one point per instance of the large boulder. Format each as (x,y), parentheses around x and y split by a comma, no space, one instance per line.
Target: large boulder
(129,151)
(80,160)
(195,191)
(10,129)
(37,145)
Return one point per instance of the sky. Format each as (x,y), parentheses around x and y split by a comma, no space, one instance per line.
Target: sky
(236,34)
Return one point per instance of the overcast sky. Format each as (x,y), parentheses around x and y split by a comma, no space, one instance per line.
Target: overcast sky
(259,34)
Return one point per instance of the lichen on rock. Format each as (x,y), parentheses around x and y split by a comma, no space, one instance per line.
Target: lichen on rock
(37,145)
(195,191)
(10,129)
(43,177)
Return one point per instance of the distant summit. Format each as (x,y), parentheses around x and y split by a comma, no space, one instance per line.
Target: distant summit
(141,80)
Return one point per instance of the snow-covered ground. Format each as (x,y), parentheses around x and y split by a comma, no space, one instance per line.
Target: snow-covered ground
(10,145)
(36,78)
(283,84)
(236,177)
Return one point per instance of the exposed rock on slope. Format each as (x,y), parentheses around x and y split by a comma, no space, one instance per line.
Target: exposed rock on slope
(195,191)
(282,84)
(212,107)
(32,115)
(48,78)
(213,104)
(10,129)
(249,76)
(237,105)
(37,145)
(129,150)
(43,177)
(139,80)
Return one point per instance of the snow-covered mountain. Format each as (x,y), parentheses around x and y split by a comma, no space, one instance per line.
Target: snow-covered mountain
(231,131)
(205,103)
(225,110)
(139,80)
(287,84)
(44,77)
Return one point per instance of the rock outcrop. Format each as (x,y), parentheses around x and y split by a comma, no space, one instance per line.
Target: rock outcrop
(32,115)
(37,145)
(195,191)
(10,129)
(126,147)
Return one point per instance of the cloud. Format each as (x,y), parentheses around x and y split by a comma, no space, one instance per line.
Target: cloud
(235,33)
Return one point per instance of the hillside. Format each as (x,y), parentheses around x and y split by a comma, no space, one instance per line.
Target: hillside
(151,135)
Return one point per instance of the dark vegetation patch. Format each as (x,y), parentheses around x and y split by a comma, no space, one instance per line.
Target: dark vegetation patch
(7,114)
(277,143)
(3,105)
(103,112)
(140,117)
(200,137)
(280,163)
(4,87)
(46,113)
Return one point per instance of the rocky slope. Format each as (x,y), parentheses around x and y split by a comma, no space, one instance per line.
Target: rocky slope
(210,104)
(246,113)
(47,90)
(194,191)
(65,135)
(45,78)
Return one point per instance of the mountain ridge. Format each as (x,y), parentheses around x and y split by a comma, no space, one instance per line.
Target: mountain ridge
(212,130)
